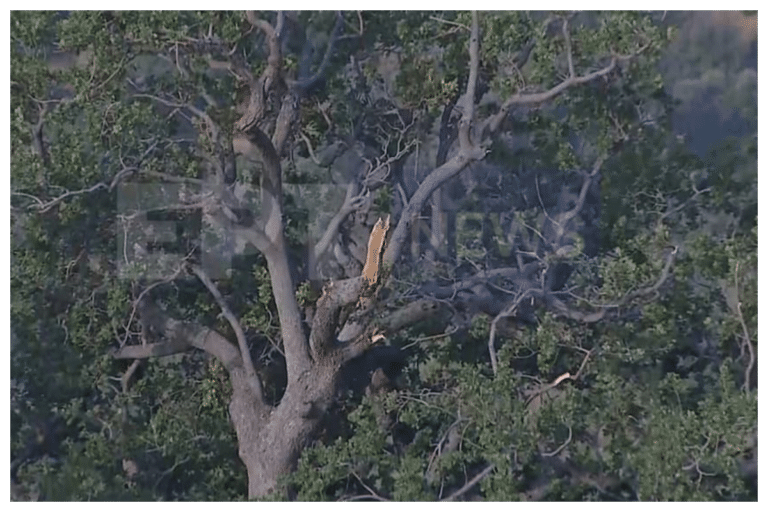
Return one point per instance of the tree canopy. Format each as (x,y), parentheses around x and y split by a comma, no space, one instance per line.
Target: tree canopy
(381,256)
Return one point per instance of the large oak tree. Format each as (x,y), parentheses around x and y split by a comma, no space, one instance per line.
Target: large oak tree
(321,140)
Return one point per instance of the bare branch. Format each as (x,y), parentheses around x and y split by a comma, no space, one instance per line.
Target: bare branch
(365,497)
(560,308)
(125,380)
(436,178)
(38,139)
(494,122)
(234,322)
(166,348)
(672,211)
(570,214)
(304,83)
(374,494)
(453,23)
(214,132)
(568,51)
(750,365)
(662,278)
(484,473)
(409,314)
(508,311)
(562,446)
(443,292)
(44,207)
(309,147)
(137,302)
(351,203)
(468,103)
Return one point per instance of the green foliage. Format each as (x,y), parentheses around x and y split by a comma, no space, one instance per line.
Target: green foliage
(661,403)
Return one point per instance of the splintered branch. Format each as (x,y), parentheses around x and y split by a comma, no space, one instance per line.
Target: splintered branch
(336,295)
(546,388)
(375,247)
(233,321)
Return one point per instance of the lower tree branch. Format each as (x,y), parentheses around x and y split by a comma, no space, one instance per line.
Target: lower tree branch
(245,354)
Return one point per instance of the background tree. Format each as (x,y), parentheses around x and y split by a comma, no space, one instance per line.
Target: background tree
(592,334)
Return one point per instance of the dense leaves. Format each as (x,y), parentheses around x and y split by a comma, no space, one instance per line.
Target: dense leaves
(657,400)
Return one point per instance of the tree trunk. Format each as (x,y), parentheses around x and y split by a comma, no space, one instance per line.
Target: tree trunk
(271,441)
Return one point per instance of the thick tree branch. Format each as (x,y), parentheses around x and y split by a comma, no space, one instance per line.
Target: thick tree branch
(295,343)
(161,349)
(468,102)
(180,337)
(436,178)
(260,89)
(336,295)
(257,146)
(409,314)
(353,331)
(468,153)
(517,275)
(305,83)
(297,354)
(494,122)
